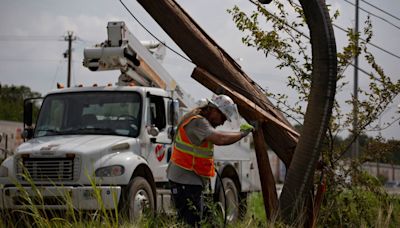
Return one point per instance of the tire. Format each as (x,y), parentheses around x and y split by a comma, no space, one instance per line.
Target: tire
(140,199)
(232,210)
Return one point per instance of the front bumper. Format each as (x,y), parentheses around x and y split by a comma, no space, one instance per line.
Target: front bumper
(60,197)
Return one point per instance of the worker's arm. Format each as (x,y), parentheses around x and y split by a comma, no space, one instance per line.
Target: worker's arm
(200,130)
(225,138)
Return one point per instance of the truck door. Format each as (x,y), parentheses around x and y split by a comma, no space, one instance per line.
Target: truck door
(160,143)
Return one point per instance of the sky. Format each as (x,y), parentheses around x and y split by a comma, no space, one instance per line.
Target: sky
(32,43)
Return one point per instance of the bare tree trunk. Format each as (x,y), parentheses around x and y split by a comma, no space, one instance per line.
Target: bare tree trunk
(298,184)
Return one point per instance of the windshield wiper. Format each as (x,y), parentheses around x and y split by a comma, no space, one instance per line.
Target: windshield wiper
(49,131)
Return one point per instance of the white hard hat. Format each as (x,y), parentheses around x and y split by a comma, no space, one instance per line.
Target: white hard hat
(226,105)
(202,102)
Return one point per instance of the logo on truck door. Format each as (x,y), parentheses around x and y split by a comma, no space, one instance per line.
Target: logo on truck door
(160,151)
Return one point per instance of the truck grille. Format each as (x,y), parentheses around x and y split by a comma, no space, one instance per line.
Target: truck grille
(48,169)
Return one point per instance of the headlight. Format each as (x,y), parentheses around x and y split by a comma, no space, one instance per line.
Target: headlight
(110,171)
(3,171)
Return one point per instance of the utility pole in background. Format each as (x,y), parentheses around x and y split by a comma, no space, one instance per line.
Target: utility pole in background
(68,53)
(355,151)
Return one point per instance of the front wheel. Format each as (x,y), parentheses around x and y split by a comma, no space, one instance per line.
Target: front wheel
(140,199)
(230,195)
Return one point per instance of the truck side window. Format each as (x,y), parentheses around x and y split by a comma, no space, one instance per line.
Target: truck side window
(157,112)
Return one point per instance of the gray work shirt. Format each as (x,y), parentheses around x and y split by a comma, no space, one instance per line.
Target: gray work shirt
(197,130)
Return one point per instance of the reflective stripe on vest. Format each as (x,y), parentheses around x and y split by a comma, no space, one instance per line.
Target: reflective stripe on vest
(191,157)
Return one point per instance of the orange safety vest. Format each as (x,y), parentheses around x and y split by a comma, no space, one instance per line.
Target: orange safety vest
(192,157)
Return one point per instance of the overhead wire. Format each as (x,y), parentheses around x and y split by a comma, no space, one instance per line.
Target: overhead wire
(26,60)
(154,36)
(29,38)
(372,44)
(60,64)
(342,29)
(383,19)
(383,11)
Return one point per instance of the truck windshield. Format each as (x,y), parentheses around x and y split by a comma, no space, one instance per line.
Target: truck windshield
(99,113)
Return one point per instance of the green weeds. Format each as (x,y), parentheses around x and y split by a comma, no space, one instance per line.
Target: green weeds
(353,207)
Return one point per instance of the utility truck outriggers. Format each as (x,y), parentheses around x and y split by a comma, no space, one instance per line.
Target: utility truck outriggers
(116,137)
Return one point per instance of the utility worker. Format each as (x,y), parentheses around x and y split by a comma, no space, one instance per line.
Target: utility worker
(192,162)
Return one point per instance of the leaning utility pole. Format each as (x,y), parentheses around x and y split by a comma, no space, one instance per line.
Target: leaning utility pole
(69,37)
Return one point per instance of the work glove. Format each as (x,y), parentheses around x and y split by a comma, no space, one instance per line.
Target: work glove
(245,129)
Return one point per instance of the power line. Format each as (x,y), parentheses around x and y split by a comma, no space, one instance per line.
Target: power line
(342,29)
(29,38)
(31,60)
(154,36)
(383,19)
(60,64)
(26,60)
(372,44)
(383,11)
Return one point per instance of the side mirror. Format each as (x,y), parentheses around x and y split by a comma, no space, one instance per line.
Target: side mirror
(28,111)
(28,117)
(173,112)
(153,131)
(27,133)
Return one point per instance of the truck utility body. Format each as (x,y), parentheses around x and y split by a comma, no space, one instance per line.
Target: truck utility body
(118,139)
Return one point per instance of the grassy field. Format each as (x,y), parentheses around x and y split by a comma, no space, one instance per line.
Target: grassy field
(361,209)
(255,217)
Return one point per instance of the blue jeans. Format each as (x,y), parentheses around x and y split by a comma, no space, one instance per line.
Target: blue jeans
(188,200)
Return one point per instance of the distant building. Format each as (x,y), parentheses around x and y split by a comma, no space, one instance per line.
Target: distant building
(388,171)
(10,132)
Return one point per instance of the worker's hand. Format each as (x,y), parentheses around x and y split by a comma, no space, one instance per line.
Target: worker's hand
(245,129)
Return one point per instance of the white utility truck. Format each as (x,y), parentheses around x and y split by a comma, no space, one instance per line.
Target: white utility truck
(116,137)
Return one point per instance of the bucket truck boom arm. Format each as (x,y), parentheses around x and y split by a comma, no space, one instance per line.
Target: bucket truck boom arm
(137,61)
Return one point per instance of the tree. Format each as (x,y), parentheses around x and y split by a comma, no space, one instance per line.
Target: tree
(380,150)
(394,151)
(12,101)
(286,42)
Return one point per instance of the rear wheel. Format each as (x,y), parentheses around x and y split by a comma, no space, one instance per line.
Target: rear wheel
(231,196)
(140,199)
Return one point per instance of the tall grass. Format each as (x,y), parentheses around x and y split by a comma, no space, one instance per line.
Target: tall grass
(33,210)
(351,208)
(34,214)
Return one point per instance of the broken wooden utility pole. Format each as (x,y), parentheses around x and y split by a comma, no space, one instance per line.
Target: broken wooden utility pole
(212,59)
(205,53)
